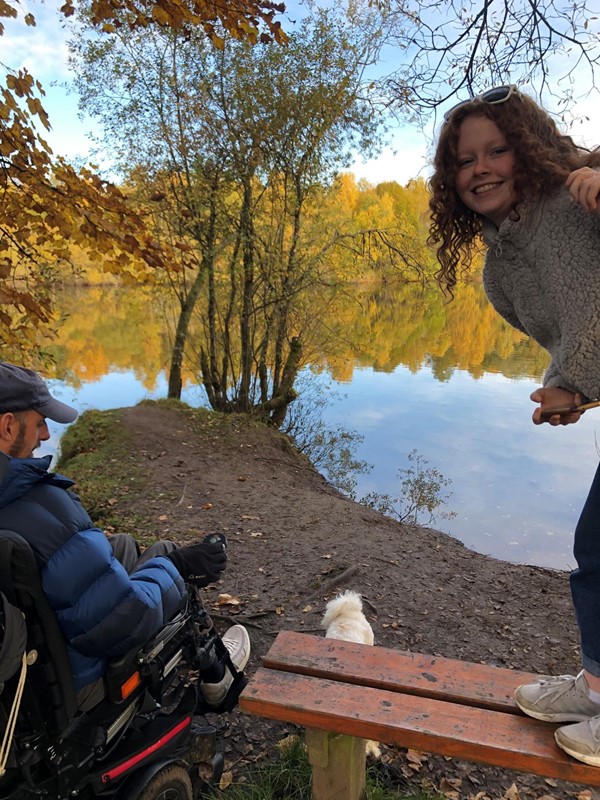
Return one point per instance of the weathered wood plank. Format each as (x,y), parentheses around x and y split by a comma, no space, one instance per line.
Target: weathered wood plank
(436,726)
(446,679)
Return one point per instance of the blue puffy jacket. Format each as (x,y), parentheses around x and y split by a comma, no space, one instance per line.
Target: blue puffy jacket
(102,611)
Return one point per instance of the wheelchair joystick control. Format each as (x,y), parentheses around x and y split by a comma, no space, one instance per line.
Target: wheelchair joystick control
(213,538)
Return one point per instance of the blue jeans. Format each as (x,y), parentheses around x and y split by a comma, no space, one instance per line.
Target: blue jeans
(585,580)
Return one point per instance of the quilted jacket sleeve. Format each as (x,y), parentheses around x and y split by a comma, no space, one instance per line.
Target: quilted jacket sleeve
(101,609)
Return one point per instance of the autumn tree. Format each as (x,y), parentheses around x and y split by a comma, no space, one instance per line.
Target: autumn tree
(46,205)
(233,148)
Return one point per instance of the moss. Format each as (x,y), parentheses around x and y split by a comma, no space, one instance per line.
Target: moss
(95,453)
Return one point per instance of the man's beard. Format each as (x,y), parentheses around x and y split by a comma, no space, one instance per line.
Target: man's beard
(17,445)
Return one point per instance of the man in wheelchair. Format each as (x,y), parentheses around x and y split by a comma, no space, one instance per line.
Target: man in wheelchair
(121,656)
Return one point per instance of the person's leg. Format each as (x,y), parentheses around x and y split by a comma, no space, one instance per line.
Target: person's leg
(582,740)
(219,688)
(585,583)
(125,549)
(568,697)
(161,548)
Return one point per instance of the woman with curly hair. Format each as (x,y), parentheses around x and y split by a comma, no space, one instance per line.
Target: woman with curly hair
(504,174)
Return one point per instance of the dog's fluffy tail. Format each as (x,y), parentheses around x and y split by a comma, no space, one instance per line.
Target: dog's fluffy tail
(344,603)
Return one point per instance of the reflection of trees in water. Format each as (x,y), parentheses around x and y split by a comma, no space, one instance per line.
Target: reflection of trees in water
(109,328)
(114,328)
(413,326)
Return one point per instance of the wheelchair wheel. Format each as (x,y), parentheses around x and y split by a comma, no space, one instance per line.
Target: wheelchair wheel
(171,783)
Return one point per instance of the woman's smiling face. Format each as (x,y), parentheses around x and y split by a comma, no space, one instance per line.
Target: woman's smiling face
(485,169)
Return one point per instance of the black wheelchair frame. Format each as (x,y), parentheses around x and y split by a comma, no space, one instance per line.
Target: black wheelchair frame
(146,740)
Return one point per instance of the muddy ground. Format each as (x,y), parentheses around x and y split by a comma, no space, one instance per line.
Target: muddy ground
(290,535)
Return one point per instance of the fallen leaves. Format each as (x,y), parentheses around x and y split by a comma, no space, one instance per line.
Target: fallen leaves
(416,757)
(512,793)
(226,780)
(228,600)
(285,744)
(449,787)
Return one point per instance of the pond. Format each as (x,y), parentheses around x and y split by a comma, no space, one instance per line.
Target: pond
(409,373)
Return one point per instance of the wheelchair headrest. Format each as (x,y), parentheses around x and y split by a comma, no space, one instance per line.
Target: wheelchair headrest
(18,568)
(13,638)
(21,583)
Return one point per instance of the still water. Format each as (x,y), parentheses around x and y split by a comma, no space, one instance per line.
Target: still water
(408,373)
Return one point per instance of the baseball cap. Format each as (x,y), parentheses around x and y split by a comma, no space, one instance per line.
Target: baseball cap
(22,389)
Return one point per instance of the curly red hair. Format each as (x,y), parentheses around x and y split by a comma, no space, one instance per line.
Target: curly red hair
(543,159)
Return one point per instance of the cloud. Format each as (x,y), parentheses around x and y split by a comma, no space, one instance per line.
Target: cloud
(41,49)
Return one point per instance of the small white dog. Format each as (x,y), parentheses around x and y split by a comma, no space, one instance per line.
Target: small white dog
(344,619)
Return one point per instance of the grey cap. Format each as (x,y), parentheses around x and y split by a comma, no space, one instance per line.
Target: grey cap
(22,389)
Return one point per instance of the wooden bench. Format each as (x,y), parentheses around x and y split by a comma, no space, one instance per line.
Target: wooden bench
(452,708)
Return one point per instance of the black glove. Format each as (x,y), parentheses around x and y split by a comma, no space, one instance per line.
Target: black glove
(201,563)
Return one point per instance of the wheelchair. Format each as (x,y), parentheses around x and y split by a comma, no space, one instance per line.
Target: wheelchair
(147,739)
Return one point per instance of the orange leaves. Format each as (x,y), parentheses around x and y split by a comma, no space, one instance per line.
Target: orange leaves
(241,19)
(162,17)
(47,208)
(21,84)
(68,9)
(47,211)
(6,10)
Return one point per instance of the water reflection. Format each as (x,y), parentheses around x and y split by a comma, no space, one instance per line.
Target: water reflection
(450,380)
(517,489)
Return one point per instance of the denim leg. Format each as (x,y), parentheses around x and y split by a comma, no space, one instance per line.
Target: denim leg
(585,580)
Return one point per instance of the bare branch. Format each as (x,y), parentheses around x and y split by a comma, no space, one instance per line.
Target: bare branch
(485,42)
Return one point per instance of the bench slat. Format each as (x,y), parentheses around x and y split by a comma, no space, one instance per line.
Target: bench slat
(446,679)
(473,734)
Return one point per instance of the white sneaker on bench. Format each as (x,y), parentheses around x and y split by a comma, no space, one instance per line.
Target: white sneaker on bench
(581,740)
(560,699)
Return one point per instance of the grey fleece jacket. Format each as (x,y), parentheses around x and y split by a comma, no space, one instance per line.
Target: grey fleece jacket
(542,274)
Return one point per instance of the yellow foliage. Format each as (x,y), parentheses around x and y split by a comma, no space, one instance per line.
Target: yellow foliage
(45,203)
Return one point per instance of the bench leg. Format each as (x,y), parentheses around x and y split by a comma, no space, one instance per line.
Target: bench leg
(338,765)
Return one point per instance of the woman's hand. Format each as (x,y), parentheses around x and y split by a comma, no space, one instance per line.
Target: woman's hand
(555,398)
(584,187)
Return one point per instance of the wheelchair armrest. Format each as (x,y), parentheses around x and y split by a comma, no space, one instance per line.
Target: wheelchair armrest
(146,668)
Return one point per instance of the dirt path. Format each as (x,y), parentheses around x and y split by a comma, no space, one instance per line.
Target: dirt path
(290,533)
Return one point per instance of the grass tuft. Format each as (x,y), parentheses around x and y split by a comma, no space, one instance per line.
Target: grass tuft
(96,454)
(288,777)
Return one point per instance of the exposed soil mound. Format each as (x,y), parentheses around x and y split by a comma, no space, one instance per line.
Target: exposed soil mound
(291,536)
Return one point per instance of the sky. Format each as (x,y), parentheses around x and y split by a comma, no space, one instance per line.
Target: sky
(43,51)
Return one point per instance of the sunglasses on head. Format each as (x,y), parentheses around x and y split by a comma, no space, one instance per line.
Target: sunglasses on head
(495,96)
